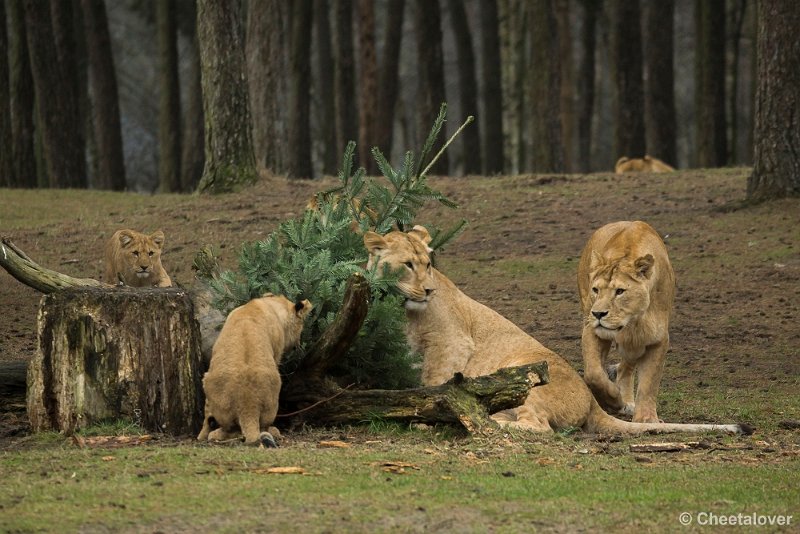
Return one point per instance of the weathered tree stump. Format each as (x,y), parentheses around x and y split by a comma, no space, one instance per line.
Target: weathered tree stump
(117,353)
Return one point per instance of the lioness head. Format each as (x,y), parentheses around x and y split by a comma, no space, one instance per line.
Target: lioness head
(409,253)
(291,314)
(619,292)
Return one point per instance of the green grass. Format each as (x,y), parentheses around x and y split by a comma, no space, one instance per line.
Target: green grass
(170,488)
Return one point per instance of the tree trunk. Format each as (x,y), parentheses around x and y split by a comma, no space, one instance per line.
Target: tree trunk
(567,82)
(344,77)
(585,83)
(492,119)
(324,88)
(123,353)
(737,13)
(169,108)
(466,402)
(430,68)
(710,83)
(776,169)
(299,98)
(105,100)
(388,78)
(6,140)
(660,80)
(22,99)
(544,83)
(367,84)
(626,39)
(470,138)
(57,100)
(230,163)
(266,72)
(513,25)
(193,154)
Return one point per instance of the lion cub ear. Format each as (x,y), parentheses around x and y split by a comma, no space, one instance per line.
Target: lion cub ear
(125,237)
(303,307)
(374,242)
(158,238)
(644,265)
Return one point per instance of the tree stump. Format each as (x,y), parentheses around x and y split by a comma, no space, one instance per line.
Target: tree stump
(117,353)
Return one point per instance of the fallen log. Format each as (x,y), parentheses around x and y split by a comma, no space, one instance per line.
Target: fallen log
(30,273)
(463,401)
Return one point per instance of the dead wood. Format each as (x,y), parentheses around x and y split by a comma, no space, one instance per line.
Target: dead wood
(466,402)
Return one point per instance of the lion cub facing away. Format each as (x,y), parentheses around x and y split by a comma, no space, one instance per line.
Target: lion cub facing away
(243,383)
(134,259)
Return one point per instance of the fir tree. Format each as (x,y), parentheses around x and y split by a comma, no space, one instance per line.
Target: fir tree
(314,256)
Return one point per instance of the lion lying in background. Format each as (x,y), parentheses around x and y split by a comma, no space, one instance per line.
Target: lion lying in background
(457,334)
(627,288)
(242,384)
(645,164)
(134,259)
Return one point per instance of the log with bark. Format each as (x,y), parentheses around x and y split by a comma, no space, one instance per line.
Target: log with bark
(136,353)
(462,401)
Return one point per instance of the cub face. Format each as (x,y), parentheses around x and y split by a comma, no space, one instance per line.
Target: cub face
(134,259)
(408,253)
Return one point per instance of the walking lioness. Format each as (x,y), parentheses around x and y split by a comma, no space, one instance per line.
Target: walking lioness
(627,288)
(457,334)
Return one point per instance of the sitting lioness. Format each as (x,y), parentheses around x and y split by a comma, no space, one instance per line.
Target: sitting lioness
(627,288)
(645,164)
(242,384)
(457,334)
(134,259)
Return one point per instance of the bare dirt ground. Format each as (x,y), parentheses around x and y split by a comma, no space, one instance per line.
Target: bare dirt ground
(735,352)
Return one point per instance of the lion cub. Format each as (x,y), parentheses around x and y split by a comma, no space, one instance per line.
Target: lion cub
(645,164)
(134,259)
(243,383)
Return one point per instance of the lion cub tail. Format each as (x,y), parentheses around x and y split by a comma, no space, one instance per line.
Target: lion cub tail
(601,422)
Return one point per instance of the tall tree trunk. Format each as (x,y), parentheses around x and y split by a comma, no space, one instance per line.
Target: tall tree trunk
(108,132)
(192,150)
(21,99)
(626,44)
(737,13)
(388,78)
(585,83)
(544,84)
(324,87)
(367,84)
(169,109)
(710,83)
(266,71)
(230,163)
(299,98)
(430,68)
(567,89)
(470,138)
(513,29)
(776,169)
(492,120)
(660,80)
(344,77)
(57,101)
(6,140)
